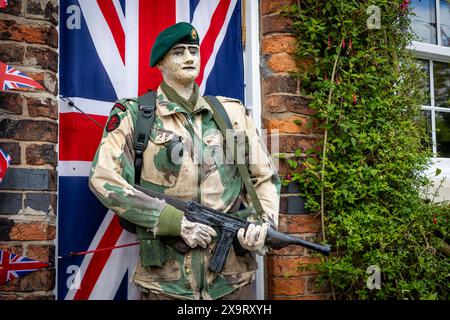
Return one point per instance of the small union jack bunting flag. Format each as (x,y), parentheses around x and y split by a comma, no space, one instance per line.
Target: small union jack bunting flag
(13,79)
(13,266)
(5,160)
(3,3)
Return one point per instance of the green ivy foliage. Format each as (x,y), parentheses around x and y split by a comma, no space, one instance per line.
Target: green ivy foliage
(375,208)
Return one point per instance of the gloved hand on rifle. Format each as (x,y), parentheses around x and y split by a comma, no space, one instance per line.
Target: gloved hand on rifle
(253,238)
(195,234)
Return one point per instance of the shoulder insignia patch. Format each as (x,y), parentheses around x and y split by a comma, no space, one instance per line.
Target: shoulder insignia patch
(113,123)
(119,106)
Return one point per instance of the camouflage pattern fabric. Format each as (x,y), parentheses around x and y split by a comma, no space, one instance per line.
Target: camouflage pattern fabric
(203,174)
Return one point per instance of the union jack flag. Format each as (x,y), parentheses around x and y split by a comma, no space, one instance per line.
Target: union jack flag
(13,266)
(5,160)
(13,79)
(105,55)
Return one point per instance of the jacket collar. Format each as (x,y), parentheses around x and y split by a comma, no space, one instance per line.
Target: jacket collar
(166,107)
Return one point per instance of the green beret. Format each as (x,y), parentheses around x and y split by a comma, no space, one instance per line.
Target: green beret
(181,32)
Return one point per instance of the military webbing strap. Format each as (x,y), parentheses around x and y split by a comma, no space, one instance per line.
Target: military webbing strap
(144,122)
(224,123)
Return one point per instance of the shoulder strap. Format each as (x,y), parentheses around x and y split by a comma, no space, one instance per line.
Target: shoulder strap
(144,122)
(224,123)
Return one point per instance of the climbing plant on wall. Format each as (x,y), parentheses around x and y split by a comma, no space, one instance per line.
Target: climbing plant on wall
(368,180)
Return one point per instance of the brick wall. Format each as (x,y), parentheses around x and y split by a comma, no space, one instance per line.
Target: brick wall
(282,105)
(29,133)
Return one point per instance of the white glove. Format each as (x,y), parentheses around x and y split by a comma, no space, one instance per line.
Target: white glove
(195,234)
(254,239)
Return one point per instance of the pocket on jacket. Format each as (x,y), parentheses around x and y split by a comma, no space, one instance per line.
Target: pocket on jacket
(169,271)
(163,158)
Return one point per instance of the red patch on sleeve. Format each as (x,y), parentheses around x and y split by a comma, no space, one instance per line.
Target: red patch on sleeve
(113,123)
(120,107)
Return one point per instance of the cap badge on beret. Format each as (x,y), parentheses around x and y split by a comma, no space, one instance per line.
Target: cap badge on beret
(194,34)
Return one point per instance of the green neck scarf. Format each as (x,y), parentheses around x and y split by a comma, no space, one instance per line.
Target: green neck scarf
(174,97)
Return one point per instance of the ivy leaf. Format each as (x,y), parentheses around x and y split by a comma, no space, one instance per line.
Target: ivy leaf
(293,164)
(438,172)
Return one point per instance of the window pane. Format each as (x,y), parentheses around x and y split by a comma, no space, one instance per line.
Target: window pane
(441,84)
(425,65)
(424,21)
(443,134)
(445,22)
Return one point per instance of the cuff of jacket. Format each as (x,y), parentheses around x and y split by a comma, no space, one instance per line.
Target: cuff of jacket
(170,221)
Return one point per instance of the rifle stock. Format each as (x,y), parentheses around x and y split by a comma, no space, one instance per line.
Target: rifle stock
(229,225)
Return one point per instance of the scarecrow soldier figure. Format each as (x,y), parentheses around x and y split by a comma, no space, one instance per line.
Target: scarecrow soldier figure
(184,126)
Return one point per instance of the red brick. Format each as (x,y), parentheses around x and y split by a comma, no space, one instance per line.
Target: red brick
(279,43)
(32,231)
(286,285)
(282,266)
(279,83)
(12,53)
(273,6)
(37,10)
(44,107)
(287,125)
(43,253)
(40,154)
(276,23)
(300,223)
(29,130)
(43,57)
(276,103)
(11,102)
(39,34)
(282,62)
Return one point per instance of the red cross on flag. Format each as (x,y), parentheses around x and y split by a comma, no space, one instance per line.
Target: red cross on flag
(13,266)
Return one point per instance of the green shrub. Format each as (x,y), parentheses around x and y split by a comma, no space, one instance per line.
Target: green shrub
(366,89)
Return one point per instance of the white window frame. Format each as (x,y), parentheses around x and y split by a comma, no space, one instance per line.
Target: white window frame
(252,92)
(439,53)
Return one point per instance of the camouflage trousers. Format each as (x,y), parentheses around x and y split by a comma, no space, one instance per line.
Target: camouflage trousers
(247,292)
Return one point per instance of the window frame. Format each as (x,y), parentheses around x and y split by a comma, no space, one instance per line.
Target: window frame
(434,53)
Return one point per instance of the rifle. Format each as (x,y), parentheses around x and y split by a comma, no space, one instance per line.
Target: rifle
(229,226)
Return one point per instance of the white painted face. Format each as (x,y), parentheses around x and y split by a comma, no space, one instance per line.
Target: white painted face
(181,64)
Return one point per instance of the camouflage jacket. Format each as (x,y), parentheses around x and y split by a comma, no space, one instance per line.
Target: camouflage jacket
(203,175)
